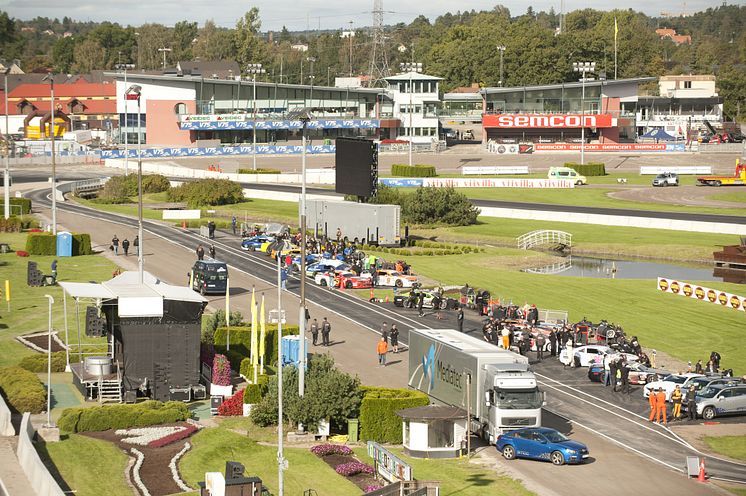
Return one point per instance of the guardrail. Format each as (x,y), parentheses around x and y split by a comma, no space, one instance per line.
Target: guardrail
(721,147)
(655,170)
(36,472)
(492,170)
(6,427)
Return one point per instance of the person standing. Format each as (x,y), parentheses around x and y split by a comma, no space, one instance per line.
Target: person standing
(212,251)
(553,342)
(284,278)
(326,329)
(691,403)
(698,367)
(211,229)
(653,400)
(570,353)
(382,349)
(200,252)
(315,332)
(136,244)
(234,224)
(460,319)
(607,369)
(540,343)
(115,244)
(385,332)
(625,377)
(394,335)
(126,247)
(339,234)
(54,269)
(420,303)
(676,398)
(660,402)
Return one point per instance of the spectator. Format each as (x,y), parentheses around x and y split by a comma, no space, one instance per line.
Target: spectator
(54,269)
(394,335)
(136,244)
(212,251)
(326,329)
(115,244)
(126,246)
(382,349)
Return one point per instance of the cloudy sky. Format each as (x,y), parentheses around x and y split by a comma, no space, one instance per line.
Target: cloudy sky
(300,14)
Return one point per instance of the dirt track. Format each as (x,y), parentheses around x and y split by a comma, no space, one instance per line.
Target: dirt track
(682,195)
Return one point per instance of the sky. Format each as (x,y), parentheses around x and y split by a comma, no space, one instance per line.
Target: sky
(303,14)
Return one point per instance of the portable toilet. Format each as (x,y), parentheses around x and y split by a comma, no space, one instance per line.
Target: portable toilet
(64,244)
(291,350)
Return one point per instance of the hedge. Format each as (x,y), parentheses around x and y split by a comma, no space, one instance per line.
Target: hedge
(252,394)
(259,171)
(418,170)
(46,244)
(102,418)
(241,343)
(25,204)
(589,169)
(38,362)
(22,390)
(207,192)
(15,223)
(378,419)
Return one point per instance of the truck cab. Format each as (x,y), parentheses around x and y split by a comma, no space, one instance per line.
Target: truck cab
(512,399)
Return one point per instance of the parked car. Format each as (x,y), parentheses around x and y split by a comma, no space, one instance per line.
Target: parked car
(566,173)
(541,444)
(255,243)
(720,400)
(666,179)
(669,383)
(387,277)
(326,265)
(701,383)
(346,279)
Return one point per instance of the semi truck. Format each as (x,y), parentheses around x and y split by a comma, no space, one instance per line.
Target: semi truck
(369,223)
(495,386)
(737,179)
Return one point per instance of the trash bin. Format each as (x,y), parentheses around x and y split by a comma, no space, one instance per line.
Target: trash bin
(352,430)
(64,244)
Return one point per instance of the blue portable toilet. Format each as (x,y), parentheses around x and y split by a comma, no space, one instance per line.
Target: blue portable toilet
(64,244)
(290,350)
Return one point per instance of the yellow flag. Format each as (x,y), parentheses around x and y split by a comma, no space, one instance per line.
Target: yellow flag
(262,324)
(616,29)
(7,290)
(254,330)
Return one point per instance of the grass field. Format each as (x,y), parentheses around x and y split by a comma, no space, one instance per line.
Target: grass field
(730,446)
(29,307)
(731,196)
(90,467)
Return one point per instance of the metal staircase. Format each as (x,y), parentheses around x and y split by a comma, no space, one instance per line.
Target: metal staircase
(110,389)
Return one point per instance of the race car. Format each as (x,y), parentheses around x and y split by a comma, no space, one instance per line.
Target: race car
(311,258)
(387,277)
(669,383)
(255,243)
(348,280)
(326,265)
(410,299)
(638,373)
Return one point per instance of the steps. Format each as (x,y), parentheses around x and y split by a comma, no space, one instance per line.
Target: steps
(109,390)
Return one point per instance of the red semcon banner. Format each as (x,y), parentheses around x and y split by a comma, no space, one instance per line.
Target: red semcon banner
(600,147)
(546,121)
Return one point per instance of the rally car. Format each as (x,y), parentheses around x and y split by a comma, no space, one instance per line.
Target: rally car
(387,277)
(255,243)
(410,299)
(346,279)
(326,265)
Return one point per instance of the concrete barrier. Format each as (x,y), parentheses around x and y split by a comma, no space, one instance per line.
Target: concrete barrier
(492,170)
(6,427)
(35,470)
(655,170)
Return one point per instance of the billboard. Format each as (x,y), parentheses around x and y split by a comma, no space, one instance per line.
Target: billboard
(702,293)
(546,121)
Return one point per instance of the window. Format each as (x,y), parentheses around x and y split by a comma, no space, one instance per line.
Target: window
(687,85)
(439,434)
(180,109)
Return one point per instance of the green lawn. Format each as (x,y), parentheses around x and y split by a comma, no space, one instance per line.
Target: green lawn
(29,307)
(730,446)
(90,467)
(731,196)
(457,477)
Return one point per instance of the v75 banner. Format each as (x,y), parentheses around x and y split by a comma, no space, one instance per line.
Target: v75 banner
(702,293)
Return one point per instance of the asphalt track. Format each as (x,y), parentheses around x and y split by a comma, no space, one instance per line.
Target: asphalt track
(621,419)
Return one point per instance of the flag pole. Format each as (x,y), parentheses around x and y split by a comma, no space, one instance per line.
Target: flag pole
(616,32)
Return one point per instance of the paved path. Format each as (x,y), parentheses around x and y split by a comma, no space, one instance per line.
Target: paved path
(11,474)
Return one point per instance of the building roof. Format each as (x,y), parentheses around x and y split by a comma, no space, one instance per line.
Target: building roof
(79,89)
(222,68)
(432,412)
(417,76)
(688,77)
(573,84)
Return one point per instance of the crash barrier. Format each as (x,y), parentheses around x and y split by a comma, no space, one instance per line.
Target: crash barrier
(88,186)
(313,176)
(6,427)
(59,159)
(615,220)
(36,472)
(553,316)
(493,170)
(219,151)
(655,170)
(266,194)
(435,146)
(181,214)
(610,147)
(462,182)
(721,147)
(544,237)
(702,293)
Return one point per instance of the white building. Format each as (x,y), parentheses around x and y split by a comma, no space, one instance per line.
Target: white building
(414,101)
(687,86)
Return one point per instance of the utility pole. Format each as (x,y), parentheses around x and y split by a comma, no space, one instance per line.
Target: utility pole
(351,34)
(126,141)
(163,51)
(302,311)
(281,463)
(133,93)
(50,77)
(583,68)
(311,77)
(254,69)
(501,49)
(8,144)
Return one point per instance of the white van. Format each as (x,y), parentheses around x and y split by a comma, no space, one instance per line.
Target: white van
(566,173)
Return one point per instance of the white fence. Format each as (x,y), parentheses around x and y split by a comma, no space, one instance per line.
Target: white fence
(655,170)
(36,472)
(181,214)
(493,170)
(721,147)
(6,427)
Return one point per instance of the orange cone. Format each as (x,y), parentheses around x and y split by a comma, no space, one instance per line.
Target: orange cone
(387,298)
(371,293)
(701,477)
(183,224)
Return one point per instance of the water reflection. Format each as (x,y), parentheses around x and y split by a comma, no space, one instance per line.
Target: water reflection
(624,269)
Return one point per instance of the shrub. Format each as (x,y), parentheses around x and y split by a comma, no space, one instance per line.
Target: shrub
(323,450)
(221,371)
(439,206)
(102,418)
(353,468)
(38,362)
(154,183)
(24,203)
(252,394)
(418,170)
(23,391)
(172,438)
(214,320)
(589,169)
(378,419)
(46,244)
(120,189)
(207,192)
(259,170)
(233,406)
(16,223)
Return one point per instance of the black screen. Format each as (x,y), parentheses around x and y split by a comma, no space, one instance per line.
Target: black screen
(356,162)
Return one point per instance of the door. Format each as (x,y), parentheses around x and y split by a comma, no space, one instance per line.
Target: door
(737,400)
(160,382)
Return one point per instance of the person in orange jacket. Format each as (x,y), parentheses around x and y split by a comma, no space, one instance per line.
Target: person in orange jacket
(661,406)
(382,349)
(652,399)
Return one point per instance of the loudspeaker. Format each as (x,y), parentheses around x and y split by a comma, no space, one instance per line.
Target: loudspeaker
(356,164)
(199,392)
(180,394)
(95,326)
(234,470)
(215,402)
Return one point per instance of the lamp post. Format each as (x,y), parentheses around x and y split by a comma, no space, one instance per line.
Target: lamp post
(49,364)
(133,93)
(281,463)
(501,49)
(311,77)
(302,311)
(126,142)
(254,69)
(50,77)
(411,68)
(163,51)
(6,176)
(583,68)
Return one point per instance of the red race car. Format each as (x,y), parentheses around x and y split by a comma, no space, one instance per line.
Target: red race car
(348,280)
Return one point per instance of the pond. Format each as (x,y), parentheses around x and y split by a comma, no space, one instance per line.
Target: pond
(603,268)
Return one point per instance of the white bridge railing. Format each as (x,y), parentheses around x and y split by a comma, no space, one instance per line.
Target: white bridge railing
(544,237)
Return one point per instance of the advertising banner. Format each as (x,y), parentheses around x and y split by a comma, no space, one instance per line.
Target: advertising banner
(546,121)
(465,182)
(239,122)
(219,151)
(401,183)
(697,292)
(611,147)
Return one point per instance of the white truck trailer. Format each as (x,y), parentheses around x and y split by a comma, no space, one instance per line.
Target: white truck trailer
(493,385)
(372,223)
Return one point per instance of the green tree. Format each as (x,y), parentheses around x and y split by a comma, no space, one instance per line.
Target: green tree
(439,206)
(249,47)
(63,54)
(214,43)
(151,37)
(89,55)
(114,39)
(184,34)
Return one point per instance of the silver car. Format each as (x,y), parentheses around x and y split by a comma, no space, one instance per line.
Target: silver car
(666,179)
(721,400)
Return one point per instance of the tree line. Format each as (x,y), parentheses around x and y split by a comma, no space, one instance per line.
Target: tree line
(461,47)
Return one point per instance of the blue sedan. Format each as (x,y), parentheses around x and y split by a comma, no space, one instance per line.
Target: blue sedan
(255,242)
(541,443)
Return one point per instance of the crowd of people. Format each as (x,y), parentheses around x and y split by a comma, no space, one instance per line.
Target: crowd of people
(125,245)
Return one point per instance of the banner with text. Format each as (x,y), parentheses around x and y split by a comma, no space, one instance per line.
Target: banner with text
(219,151)
(695,291)
(611,147)
(546,121)
(465,182)
(228,122)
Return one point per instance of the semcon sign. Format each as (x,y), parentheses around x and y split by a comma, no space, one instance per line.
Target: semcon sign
(544,121)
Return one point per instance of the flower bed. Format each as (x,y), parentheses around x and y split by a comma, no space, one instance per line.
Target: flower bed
(172,438)
(144,436)
(330,449)
(353,468)
(233,406)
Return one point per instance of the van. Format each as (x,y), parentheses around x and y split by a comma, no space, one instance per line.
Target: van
(566,173)
(721,399)
(209,277)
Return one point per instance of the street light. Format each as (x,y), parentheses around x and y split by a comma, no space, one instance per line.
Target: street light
(49,364)
(163,51)
(254,69)
(50,77)
(133,93)
(583,68)
(124,67)
(501,49)
(281,462)
(311,77)
(411,68)
(6,176)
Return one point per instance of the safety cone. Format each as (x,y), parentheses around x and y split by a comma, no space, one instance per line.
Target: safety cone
(387,298)
(183,224)
(371,293)
(701,477)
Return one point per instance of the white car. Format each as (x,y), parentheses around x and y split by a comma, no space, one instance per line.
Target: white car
(393,278)
(669,383)
(326,265)
(593,353)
